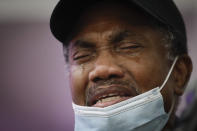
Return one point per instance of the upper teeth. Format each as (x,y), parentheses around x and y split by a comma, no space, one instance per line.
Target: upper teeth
(107,99)
(107,95)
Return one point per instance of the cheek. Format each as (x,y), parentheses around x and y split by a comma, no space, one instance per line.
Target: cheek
(151,73)
(148,73)
(78,79)
(148,77)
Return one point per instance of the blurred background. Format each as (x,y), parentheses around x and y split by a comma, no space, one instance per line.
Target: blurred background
(34,94)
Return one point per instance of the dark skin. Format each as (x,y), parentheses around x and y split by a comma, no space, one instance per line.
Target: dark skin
(118,51)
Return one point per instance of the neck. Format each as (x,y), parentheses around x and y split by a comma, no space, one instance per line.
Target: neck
(171,122)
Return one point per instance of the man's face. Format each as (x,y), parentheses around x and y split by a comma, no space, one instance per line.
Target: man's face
(114,55)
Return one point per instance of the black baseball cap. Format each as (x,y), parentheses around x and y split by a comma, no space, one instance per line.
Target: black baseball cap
(67,12)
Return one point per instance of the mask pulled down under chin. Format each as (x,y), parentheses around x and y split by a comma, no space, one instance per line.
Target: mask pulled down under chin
(144,112)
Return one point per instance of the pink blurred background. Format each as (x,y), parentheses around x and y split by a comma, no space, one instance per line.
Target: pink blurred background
(34,93)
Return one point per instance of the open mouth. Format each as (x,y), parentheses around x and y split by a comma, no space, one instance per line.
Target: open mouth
(110,100)
(104,97)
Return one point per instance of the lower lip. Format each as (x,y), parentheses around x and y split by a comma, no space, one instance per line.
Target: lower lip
(109,103)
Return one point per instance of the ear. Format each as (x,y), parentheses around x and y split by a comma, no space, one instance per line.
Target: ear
(182,72)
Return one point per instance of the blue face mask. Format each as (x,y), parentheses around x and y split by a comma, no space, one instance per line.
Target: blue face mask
(144,112)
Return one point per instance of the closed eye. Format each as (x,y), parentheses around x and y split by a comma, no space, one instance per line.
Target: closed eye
(130,47)
(80,57)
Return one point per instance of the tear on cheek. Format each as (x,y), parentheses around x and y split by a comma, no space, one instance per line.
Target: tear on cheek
(77,69)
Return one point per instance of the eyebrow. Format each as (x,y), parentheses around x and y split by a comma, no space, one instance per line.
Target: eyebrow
(82,44)
(120,35)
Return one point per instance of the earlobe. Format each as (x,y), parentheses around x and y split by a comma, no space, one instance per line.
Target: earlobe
(182,72)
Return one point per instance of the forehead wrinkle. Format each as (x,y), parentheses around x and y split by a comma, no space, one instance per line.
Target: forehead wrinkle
(94,37)
(119,34)
(122,34)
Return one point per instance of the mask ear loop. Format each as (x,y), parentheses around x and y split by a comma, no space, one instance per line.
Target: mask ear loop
(170,71)
(164,83)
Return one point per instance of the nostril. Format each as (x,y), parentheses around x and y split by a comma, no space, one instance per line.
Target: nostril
(103,72)
(97,79)
(113,76)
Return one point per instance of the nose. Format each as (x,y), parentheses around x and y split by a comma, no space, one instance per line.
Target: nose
(105,68)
